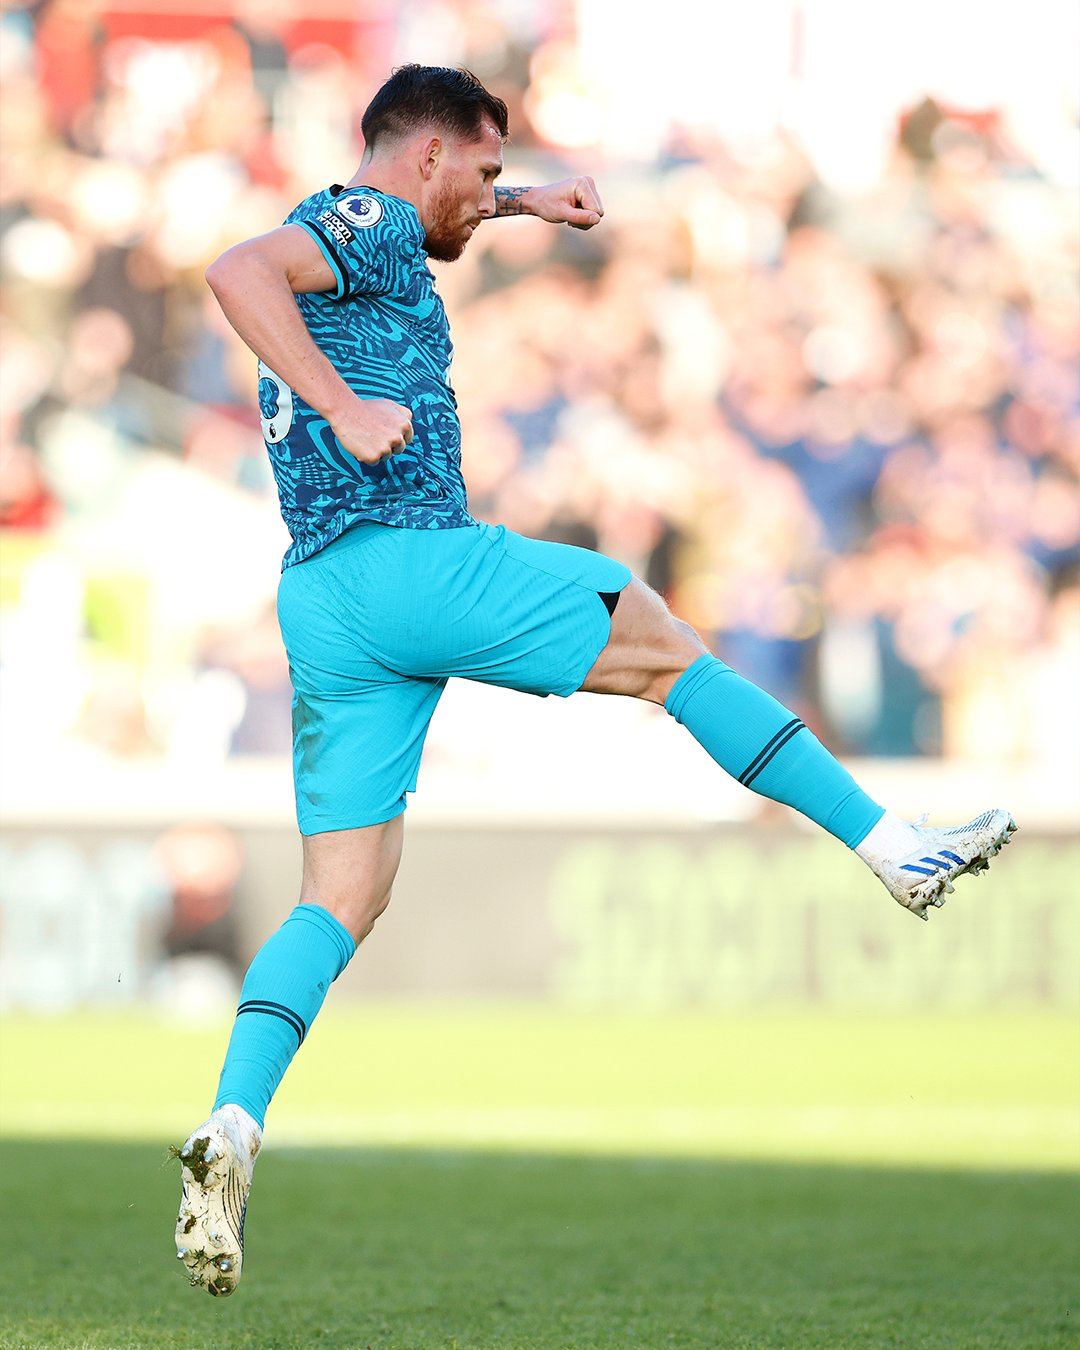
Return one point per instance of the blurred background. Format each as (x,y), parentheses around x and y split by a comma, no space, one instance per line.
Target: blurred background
(814,378)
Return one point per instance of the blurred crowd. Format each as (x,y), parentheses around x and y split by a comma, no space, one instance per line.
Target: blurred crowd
(840,433)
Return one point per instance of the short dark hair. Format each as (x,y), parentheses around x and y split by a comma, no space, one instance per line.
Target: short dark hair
(442,96)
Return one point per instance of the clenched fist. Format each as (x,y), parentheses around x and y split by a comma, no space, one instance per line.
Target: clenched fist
(573,201)
(372,429)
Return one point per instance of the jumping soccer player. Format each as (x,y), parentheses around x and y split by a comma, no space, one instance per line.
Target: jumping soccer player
(390,587)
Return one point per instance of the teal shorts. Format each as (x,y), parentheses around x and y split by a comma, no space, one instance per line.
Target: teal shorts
(375,624)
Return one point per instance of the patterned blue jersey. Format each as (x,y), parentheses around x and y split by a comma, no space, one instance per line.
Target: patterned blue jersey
(384,329)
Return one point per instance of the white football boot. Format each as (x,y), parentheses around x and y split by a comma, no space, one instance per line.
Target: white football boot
(217,1160)
(925,876)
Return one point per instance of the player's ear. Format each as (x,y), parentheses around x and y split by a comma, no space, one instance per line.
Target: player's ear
(431,154)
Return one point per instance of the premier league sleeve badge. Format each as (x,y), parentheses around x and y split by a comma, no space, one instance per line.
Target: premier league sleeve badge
(360,209)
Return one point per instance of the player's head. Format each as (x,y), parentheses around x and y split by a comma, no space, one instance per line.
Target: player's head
(444,129)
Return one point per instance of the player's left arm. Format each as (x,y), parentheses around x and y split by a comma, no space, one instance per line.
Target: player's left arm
(573,201)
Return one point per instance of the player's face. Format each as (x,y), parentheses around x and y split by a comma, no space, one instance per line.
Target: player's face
(463,194)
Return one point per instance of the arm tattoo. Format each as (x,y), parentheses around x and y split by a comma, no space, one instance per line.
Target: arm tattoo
(508,200)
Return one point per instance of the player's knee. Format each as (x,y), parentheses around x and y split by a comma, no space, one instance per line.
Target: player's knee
(357,912)
(648,650)
(368,914)
(687,639)
(665,663)
(679,649)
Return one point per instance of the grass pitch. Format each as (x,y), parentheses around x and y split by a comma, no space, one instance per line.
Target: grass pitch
(381,1249)
(793,1180)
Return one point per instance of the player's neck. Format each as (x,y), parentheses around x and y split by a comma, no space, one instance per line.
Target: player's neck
(386,177)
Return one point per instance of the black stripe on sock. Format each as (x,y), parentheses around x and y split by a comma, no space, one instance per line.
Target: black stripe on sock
(775,751)
(265,1004)
(755,766)
(275,1010)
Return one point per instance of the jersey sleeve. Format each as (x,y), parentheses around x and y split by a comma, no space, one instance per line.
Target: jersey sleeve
(364,238)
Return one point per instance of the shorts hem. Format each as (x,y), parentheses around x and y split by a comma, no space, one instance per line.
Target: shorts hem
(349,822)
(564,691)
(574,685)
(580,680)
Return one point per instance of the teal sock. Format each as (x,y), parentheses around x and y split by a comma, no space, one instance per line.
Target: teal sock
(281,996)
(767,748)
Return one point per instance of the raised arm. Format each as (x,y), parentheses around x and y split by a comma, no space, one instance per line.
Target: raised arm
(256,284)
(573,201)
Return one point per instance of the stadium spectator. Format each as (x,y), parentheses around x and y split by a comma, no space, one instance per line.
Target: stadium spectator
(774,397)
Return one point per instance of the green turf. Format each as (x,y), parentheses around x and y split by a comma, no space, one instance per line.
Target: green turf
(387,1249)
(790,1179)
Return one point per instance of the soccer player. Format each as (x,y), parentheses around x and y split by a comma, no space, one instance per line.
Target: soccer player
(390,587)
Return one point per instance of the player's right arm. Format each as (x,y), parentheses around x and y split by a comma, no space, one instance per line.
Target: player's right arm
(255,284)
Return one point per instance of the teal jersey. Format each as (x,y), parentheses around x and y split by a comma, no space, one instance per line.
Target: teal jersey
(384,329)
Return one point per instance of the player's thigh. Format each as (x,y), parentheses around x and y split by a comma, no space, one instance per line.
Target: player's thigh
(647,649)
(543,614)
(487,604)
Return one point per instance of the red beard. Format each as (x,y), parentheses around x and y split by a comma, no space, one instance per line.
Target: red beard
(446,237)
